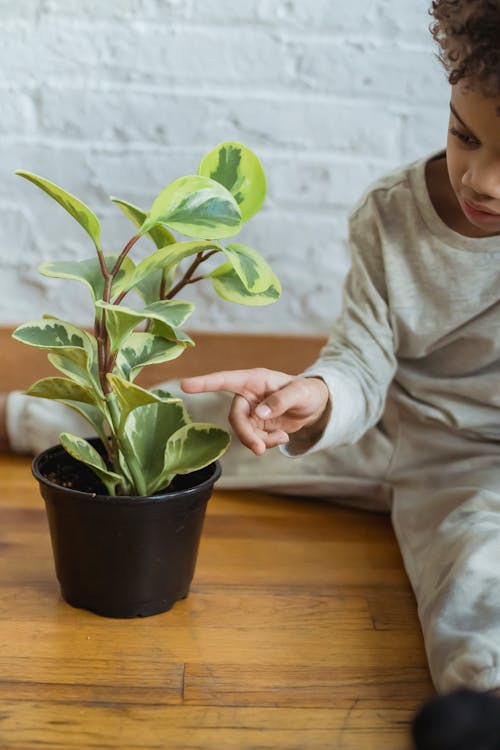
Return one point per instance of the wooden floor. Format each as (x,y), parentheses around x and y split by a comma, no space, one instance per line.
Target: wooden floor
(300,632)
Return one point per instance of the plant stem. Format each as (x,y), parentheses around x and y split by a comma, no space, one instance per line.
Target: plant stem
(123,254)
(187,278)
(106,362)
(125,447)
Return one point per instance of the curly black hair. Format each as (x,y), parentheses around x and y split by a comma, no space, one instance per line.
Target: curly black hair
(468,33)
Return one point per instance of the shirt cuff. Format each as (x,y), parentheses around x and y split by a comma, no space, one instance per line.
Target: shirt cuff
(15,419)
(340,422)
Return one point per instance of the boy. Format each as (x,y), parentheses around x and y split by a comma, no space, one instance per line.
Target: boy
(402,409)
(407,390)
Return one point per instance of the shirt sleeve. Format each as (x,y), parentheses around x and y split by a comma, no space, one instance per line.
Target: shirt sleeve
(34,424)
(358,362)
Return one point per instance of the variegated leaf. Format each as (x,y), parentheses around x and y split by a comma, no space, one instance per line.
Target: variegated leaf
(78,210)
(64,340)
(159,234)
(253,271)
(76,370)
(131,396)
(89,272)
(148,429)
(51,333)
(87,454)
(191,448)
(141,349)
(149,288)
(168,257)
(121,320)
(61,389)
(80,398)
(93,416)
(165,395)
(195,206)
(237,168)
(170,333)
(228,285)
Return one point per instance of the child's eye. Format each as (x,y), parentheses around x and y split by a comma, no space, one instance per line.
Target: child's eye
(467,140)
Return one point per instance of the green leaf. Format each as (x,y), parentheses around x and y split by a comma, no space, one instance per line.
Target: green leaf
(89,272)
(148,429)
(52,333)
(167,258)
(170,311)
(76,347)
(131,396)
(228,285)
(170,333)
(149,288)
(159,234)
(192,447)
(84,452)
(121,320)
(61,389)
(78,210)
(93,416)
(75,370)
(237,168)
(81,399)
(253,271)
(141,349)
(195,206)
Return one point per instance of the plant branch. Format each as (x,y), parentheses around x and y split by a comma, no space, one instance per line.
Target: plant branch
(102,263)
(187,278)
(106,362)
(123,254)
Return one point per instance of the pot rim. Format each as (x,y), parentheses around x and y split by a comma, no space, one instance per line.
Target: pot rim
(135,499)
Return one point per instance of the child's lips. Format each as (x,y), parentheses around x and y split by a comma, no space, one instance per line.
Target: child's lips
(479,212)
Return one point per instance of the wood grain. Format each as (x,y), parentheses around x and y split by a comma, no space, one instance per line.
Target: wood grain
(300,631)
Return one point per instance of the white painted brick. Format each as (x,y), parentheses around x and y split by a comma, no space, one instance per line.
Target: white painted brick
(18,112)
(121,98)
(385,72)
(120,12)
(424,130)
(320,182)
(69,50)
(404,19)
(10,11)
(183,119)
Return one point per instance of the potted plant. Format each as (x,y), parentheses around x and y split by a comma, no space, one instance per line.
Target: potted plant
(126,509)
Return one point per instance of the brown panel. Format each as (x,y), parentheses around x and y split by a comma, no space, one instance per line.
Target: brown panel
(22,364)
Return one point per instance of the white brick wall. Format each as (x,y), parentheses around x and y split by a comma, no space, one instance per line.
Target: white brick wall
(120,98)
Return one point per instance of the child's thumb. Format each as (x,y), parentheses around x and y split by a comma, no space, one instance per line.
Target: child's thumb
(263,411)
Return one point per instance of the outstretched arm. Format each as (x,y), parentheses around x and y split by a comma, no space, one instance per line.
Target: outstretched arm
(268,405)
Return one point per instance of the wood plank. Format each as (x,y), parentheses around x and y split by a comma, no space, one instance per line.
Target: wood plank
(300,631)
(303,685)
(42,725)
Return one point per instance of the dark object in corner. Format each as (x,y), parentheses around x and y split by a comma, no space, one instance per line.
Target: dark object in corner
(462,720)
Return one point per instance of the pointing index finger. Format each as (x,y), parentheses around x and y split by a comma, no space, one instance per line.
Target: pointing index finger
(233,381)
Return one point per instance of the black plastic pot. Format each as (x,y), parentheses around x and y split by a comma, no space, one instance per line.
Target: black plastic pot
(122,556)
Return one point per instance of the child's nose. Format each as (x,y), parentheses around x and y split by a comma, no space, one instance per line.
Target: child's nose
(483,180)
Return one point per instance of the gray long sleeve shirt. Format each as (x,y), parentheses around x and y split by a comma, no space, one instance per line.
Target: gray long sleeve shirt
(420,323)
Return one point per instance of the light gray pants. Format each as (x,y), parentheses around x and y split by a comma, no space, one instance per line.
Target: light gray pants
(441,487)
(443,492)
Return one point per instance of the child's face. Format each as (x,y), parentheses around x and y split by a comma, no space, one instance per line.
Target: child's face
(473,157)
